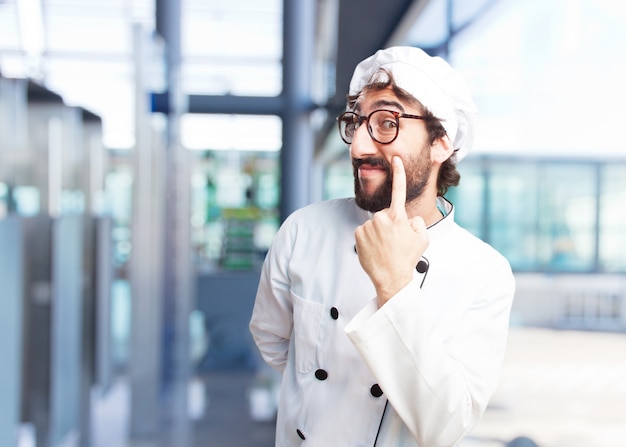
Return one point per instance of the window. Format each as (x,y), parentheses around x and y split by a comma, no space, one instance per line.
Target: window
(612,236)
(546,216)
(567,217)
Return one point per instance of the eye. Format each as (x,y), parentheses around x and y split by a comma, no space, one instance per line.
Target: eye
(383,121)
(388,124)
(350,123)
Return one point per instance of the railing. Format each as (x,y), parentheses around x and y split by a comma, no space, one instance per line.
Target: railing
(603,310)
(577,302)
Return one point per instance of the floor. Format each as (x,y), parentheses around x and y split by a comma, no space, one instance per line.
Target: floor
(224,419)
(227,421)
(560,389)
(557,388)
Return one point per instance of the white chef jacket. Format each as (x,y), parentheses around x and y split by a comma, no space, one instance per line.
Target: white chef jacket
(433,351)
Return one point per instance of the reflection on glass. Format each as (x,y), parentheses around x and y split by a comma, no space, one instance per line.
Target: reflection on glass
(567,216)
(612,237)
(234,215)
(27,200)
(546,216)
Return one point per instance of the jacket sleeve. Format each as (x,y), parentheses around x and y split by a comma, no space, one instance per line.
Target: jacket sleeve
(271,323)
(438,383)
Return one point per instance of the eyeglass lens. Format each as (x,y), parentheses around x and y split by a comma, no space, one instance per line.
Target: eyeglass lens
(382,125)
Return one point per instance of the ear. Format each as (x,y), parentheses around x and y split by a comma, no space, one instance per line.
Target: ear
(441,150)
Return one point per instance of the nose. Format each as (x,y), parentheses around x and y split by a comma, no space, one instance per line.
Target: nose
(362,144)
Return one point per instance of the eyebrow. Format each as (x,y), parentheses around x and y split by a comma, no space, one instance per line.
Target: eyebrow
(382,103)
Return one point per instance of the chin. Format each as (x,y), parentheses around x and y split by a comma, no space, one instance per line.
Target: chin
(372,202)
(372,197)
(368,192)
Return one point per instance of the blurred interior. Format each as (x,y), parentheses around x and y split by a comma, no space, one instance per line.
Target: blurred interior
(150,149)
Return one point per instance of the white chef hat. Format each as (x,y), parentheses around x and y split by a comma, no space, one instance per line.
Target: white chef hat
(433,82)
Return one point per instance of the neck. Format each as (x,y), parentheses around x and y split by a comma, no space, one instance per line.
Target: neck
(425,206)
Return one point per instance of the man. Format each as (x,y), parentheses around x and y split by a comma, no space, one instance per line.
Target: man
(387,320)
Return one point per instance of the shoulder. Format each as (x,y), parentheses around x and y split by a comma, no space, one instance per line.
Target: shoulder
(328,212)
(334,204)
(465,262)
(473,252)
(317,225)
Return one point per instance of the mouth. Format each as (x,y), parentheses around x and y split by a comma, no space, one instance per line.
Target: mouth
(371,163)
(370,166)
(371,175)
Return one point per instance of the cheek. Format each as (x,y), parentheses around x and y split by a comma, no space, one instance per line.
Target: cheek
(393,150)
(418,162)
(409,153)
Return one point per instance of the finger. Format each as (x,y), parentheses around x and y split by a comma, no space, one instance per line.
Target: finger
(418,224)
(398,188)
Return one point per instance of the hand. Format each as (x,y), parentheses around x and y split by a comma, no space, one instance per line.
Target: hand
(390,244)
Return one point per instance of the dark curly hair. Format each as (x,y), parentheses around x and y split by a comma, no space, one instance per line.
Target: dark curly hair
(448,176)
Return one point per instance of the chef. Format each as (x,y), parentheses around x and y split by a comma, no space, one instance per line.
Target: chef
(386,319)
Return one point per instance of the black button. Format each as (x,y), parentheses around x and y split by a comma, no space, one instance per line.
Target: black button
(301,434)
(376,391)
(334,313)
(421,267)
(321,374)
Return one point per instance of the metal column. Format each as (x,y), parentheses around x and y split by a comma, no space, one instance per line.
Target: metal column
(177,268)
(12,280)
(145,359)
(298,135)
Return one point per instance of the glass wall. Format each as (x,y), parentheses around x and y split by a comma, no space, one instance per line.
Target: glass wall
(612,235)
(544,215)
(235,215)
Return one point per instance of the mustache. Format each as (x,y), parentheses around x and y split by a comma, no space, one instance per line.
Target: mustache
(371,161)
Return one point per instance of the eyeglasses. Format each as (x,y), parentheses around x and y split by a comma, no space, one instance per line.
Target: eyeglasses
(382,125)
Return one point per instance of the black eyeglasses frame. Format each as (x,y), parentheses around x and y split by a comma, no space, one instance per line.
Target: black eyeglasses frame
(362,118)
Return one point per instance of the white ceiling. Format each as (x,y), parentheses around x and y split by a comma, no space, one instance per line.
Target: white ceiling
(534,66)
(86,53)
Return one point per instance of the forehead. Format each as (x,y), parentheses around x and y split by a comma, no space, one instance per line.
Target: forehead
(370,100)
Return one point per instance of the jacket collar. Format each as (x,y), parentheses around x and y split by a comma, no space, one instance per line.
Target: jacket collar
(446,221)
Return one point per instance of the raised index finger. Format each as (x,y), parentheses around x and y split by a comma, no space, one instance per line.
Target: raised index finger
(398,188)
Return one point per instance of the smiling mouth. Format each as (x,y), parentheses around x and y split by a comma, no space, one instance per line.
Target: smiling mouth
(370,164)
(367,169)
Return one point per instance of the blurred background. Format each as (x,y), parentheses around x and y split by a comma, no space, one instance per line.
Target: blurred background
(149,150)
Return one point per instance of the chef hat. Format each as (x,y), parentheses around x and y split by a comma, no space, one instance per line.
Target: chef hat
(433,82)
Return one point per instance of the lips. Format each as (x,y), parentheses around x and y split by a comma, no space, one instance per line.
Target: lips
(370,166)
(370,162)
(369,169)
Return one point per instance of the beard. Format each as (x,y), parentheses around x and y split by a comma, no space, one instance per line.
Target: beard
(417,168)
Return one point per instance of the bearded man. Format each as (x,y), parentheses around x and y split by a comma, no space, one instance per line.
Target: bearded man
(387,320)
